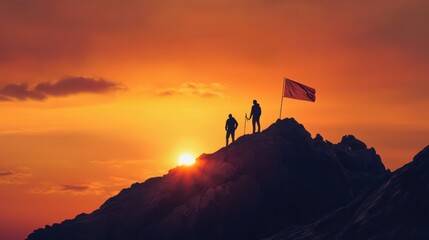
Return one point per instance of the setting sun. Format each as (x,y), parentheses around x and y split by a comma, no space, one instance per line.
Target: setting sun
(186,159)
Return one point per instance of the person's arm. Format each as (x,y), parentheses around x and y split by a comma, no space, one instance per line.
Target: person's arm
(251,114)
(236,124)
(226,125)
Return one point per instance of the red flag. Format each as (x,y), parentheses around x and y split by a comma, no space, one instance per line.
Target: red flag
(299,91)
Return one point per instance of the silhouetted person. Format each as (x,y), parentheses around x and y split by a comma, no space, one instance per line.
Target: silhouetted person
(255,114)
(230,126)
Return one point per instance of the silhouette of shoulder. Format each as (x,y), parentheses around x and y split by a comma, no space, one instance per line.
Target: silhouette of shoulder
(256,110)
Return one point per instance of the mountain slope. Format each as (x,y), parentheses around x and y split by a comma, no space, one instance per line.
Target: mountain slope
(251,189)
(398,209)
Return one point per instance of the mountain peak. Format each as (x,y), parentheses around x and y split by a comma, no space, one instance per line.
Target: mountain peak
(250,189)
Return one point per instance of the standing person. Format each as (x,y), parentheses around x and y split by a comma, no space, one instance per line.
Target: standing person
(230,126)
(255,114)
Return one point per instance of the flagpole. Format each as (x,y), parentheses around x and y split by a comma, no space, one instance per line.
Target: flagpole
(245,120)
(281,102)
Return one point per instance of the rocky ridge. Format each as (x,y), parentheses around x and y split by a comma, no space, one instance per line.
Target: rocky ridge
(251,189)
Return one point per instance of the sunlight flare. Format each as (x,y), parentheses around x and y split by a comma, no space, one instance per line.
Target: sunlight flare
(186,159)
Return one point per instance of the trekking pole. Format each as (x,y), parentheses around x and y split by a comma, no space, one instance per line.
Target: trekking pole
(245,120)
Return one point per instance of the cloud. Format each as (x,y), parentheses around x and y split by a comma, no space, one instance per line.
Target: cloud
(6,173)
(118,163)
(21,92)
(4,99)
(15,177)
(74,85)
(108,188)
(47,188)
(193,89)
(74,188)
(69,85)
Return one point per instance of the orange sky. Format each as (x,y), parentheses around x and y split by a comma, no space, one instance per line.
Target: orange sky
(96,95)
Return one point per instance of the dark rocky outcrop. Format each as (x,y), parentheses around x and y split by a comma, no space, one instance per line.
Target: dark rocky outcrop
(398,209)
(253,188)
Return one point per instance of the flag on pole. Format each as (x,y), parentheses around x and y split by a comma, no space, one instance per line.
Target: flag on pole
(299,91)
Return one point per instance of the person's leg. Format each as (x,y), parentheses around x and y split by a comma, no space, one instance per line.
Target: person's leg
(227,138)
(233,136)
(253,124)
(259,126)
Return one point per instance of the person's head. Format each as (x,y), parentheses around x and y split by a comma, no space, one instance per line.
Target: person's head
(230,115)
(255,102)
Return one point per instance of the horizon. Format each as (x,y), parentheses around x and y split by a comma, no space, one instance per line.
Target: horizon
(96,96)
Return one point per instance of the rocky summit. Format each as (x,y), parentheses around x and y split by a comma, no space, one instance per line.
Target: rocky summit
(278,184)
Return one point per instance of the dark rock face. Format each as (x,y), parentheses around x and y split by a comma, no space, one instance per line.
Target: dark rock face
(398,209)
(251,189)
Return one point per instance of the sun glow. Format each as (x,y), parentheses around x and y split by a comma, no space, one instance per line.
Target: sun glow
(186,159)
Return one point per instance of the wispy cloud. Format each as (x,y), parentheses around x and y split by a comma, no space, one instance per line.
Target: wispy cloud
(15,177)
(68,85)
(193,89)
(121,162)
(4,99)
(74,188)
(28,131)
(48,188)
(108,187)
(6,173)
